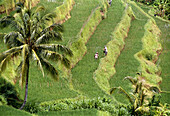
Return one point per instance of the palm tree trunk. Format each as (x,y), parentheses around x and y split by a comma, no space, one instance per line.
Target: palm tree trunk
(26,84)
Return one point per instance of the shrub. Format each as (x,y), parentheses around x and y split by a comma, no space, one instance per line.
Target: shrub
(9,92)
(103,104)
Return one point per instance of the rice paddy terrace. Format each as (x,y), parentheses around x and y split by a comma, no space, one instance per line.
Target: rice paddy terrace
(138,46)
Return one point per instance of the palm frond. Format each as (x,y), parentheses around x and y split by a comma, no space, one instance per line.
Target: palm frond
(33,34)
(18,70)
(4,62)
(131,79)
(66,62)
(49,16)
(52,32)
(21,38)
(124,92)
(13,39)
(10,51)
(52,55)
(49,68)
(56,48)
(39,62)
(112,90)
(6,21)
(39,8)
(155,89)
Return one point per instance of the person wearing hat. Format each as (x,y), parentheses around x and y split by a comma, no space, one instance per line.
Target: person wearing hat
(96,56)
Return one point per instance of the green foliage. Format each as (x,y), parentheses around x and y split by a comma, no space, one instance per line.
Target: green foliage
(81,112)
(2,100)
(31,107)
(103,104)
(9,94)
(139,99)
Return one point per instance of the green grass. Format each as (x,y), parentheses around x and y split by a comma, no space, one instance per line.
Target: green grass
(10,111)
(164,59)
(82,73)
(50,6)
(126,64)
(79,14)
(45,88)
(82,112)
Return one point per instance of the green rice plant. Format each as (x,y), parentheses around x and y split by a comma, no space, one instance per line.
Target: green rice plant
(82,73)
(126,64)
(105,69)
(78,46)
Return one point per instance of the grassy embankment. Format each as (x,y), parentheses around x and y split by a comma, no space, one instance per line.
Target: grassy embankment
(10,111)
(82,73)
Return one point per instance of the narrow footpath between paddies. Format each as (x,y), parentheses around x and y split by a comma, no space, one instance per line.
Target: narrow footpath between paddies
(126,64)
(82,73)
(79,14)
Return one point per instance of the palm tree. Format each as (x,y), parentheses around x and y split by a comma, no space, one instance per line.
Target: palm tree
(31,40)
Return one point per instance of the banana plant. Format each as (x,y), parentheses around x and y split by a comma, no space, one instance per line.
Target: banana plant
(138,98)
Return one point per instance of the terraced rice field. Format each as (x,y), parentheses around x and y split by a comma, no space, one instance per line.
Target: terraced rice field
(82,82)
(126,64)
(163,60)
(86,67)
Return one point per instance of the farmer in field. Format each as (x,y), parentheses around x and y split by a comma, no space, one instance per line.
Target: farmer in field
(96,56)
(110,1)
(105,50)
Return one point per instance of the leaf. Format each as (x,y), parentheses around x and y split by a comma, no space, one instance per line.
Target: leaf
(39,62)
(49,68)
(131,79)
(66,62)
(39,8)
(55,48)
(112,90)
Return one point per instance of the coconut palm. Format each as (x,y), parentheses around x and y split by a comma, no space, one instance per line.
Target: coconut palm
(31,40)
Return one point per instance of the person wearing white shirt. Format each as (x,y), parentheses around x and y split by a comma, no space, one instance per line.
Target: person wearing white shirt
(105,50)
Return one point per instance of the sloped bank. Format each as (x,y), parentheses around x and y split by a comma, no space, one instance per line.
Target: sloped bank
(63,11)
(106,67)
(147,57)
(149,54)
